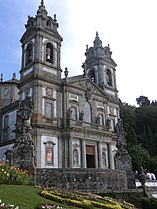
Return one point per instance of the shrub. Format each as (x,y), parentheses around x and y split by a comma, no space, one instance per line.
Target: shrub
(149,203)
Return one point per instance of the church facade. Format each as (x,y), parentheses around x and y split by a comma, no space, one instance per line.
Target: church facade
(74,118)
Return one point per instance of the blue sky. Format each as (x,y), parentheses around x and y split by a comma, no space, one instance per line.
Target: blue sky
(129,26)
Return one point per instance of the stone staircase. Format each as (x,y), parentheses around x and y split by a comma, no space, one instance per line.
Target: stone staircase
(150,189)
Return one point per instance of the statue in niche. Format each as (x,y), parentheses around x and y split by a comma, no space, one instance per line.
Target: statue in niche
(69,113)
(81,115)
(75,157)
(88,93)
(104,163)
(108,123)
(98,119)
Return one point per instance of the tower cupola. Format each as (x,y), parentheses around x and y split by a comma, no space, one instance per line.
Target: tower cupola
(99,65)
(41,45)
(42,20)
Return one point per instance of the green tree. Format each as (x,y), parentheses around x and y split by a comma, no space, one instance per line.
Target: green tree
(127,114)
(131,137)
(143,101)
(140,157)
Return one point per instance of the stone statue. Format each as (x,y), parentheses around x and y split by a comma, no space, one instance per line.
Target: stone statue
(142,177)
(23,153)
(25,110)
(81,115)
(98,120)
(121,141)
(108,123)
(122,158)
(69,113)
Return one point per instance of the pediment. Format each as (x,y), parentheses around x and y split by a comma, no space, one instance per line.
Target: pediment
(85,84)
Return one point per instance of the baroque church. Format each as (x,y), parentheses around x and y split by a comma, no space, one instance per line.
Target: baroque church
(74,118)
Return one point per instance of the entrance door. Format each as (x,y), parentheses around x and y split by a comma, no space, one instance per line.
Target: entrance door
(90,156)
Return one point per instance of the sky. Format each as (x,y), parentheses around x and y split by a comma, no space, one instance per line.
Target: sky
(129,26)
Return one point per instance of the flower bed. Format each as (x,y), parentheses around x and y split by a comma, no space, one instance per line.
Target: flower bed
(7,206)
(13,175)
(48,206)
(84,200)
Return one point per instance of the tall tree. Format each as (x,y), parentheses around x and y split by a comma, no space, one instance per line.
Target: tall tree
(143,101)
(140,157)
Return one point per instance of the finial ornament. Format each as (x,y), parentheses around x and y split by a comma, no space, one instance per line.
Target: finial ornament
(42,2)
(66,72)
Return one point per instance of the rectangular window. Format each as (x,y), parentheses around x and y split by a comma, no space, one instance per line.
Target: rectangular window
(49,156)
(6,122)
(49,153)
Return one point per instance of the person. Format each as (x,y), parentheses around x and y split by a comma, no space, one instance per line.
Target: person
(148,175)
(153,177)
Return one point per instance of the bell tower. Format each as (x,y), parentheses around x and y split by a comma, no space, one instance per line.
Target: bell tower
(40,76)
(41,51)
(41,45)
(100,67)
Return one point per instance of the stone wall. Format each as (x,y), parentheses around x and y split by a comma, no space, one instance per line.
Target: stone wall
(89,180)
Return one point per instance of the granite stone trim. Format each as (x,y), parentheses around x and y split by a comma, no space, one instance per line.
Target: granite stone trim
(88,179)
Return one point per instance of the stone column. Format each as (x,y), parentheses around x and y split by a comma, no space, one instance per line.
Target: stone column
(99,155)
(70,154)
(111,163)
(83,154)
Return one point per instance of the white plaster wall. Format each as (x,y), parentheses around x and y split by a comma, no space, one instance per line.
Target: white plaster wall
(11,124)
(3,150)
(44,139)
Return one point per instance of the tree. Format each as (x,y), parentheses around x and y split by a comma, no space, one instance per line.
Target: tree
(127,114)
(140,157)
(131,137)
(143,101)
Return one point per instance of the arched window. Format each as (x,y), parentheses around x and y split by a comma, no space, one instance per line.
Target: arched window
(91,74)
(49,52)
(87,112)
(109,77)
(29,53)
(48,23)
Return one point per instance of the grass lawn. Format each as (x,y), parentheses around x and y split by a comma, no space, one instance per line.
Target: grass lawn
(26,197)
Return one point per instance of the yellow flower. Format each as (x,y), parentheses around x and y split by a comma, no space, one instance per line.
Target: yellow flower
(2,169)
(7,174)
